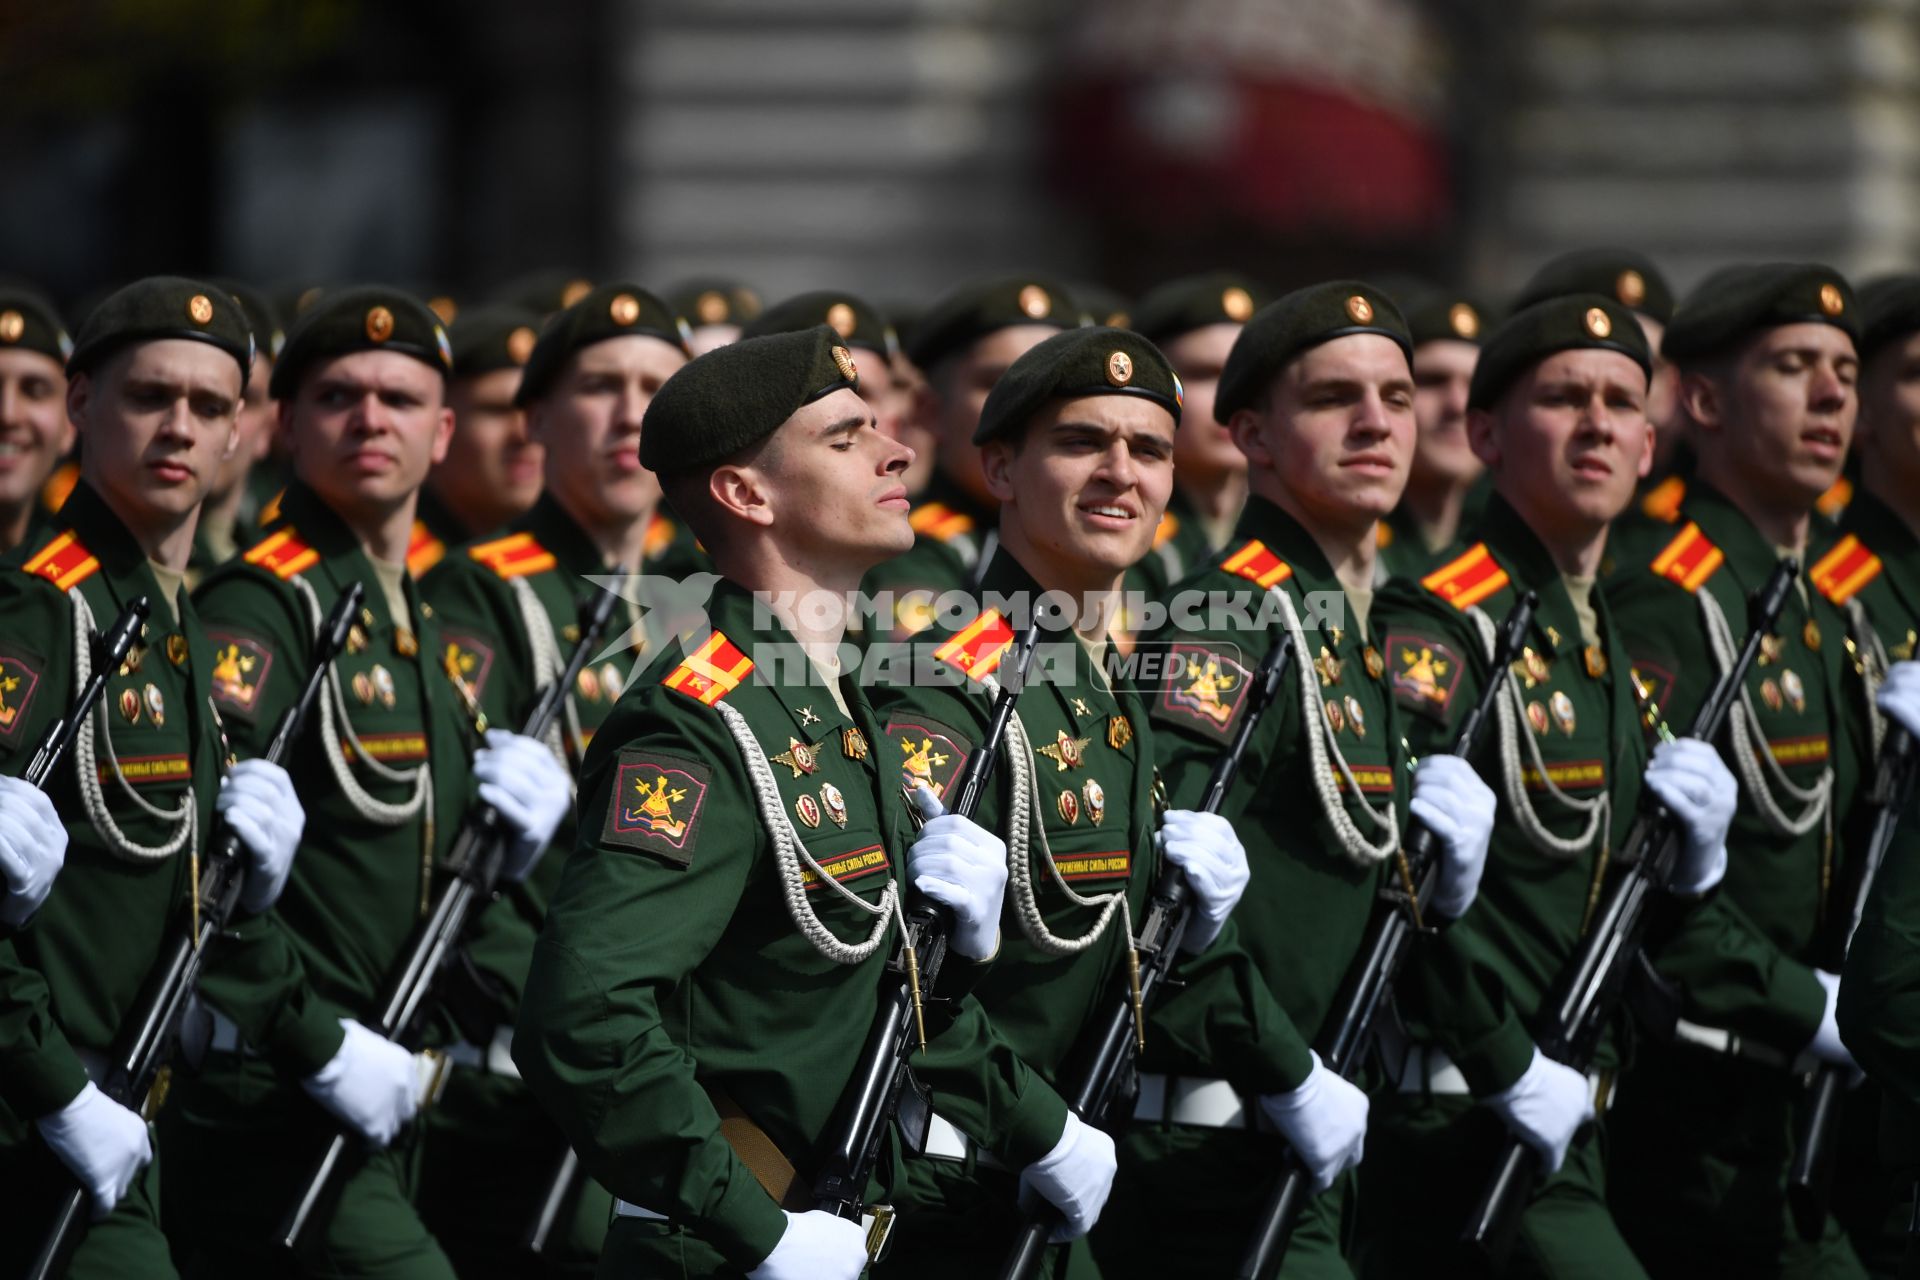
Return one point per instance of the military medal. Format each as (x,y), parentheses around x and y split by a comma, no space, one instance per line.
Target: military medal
(1596,661)
(589,684)
(835,802)
(1770,694)
(1066,753)
(1771,647)
(853,744)
(1536,666)
(1537,717)
(1795,692)
(809,810)
(363,688)
(404,643)
(1376,665)
(356,639)
(1811,634)
(383,686)
(1096,798)
(808,716)
(611,682)
(156,705)
(131,663)
(1069,806)
(130,706)
(1080,707)
(1335,717)
(177,649)
(1355,718)
(1119,732)
(798,757)
(1328,666)
(1562,707)
(571,633)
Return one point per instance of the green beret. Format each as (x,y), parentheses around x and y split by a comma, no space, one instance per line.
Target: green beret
(262,316)
(610,311)
(1096,361)
(1434,314)
(857,322)
(544,292)
(963,317)
(1194,302)
(490,338)
(28,322)
(1740,300)
(1304,318)
(1889,310)
(735,396)
(707,300)
(1577,321)
(1627,277)
(371,317)
(161,307)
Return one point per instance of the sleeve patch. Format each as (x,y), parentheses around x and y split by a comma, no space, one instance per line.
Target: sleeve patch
(1425,672)
(240,666)
(1204,688)
(657,804)
(468,661)
(19,679)
(929,752)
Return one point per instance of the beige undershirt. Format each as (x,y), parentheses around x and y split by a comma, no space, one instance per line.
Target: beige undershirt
(828,670)
(392,579)
(1361,602)
(218,535)
(171,581)
(1581,592)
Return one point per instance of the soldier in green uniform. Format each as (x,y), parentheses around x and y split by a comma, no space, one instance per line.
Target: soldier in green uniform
(384,768)
(509,610)
(1703,1132)
(964,344)
(34,431)
(228,517)
(155,386)
(716,309)
(714,953)
(1558,413)
(868,335)
(1445,486)
(1319,395)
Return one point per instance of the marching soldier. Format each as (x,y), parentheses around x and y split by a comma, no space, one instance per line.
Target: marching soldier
(1319,395)
(1557,411)
(1767,364)
(34,431)
(712,958)
(509,610)
(1445,491)
(226,518)
(384,770)
(155,386)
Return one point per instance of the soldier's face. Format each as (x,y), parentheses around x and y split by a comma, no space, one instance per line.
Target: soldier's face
(961,392)
(157,419)
(364,428)
(493,466)
(1890,416)
(255,433)
(888,399)
(34,431)
(1568,442)
(1337,434)
(1780,417)
(590,425)
(1442,455)
(1203,450)
(831,488)
(1085,488)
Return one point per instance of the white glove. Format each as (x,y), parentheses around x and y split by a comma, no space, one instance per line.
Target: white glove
(33,847)
(103,1142)
(257,800)
(963,867)
(1545,1106)
(1826,1044)
(1211,857)
(532,790)
(1074,1177)
(1324,1120)
(371,1085)
(1450,798)
(1690,779)
(816,1245)
(1899,695)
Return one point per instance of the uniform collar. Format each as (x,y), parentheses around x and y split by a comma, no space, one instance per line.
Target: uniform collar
(430,511)
(102,532)
(561,535)
(1287,538)
(316,522)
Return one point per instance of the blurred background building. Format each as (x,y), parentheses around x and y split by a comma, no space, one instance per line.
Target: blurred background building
(897,146)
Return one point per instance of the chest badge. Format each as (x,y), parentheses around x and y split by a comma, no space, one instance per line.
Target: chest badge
(1770,694)
(1376,665)
(1537,717)
(1328,666)
(1069,806)
(383,686)
(1096,797)
(1562,708)
(1356,719)
(808,716)
(1066,753)
(177,649)
(1080,707)
(1811,634)
(1771,647)
(836,803)
(1119,732)
(809,810)
(156,705)
(130,706)
(1791,688)
(1596,661)
(798,757)
(404,643)
(853,744)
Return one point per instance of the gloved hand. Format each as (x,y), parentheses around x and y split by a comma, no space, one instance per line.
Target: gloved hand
(1074,1177)
(1690,779)
(1545,1106)
(102,1142)
(1457,807)
(1324,1120)
(963,867)
(33,848)
(816,1245)
(533,791)
(1212,858)
(1826,1044)
(371,1085)
(257,800)
(1899,696)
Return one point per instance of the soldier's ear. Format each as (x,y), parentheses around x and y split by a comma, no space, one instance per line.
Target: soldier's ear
(79,395)
(996,463)
(1480,439)
(1245,427)
(1701,398)
(442,434)
(741,493)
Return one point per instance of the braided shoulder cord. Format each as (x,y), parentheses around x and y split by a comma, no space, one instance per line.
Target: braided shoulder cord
(1753,757)
(548,665)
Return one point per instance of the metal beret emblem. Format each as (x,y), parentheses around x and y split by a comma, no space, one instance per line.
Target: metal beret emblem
(444,307)
(1034,302)
(379,324)
(1237,303)
(1598,324)
(625,308)
(520,344)
(575,290)
(200,307)
(1464,320)
(1360,309)
(1119,369)
(840,319)
(843,361)
(12,325)
(711,307)
(1631,287)
(1830,300)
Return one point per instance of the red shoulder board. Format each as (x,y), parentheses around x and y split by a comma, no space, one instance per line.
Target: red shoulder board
(424,550)
(939,521)
(1663,501)
(978,647)
(1831,503)
(710,672)
(64,562)
(1689,559)
(1841,572)
(1258,565)
(514,556)
(283,554)
(1469,579)
(659,537)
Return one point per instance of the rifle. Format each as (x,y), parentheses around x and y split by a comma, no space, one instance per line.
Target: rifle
(148,1035)
(1123,1033)
(1810,1178)
(1589,990)
(1383,949)
(475,860)
(873,1097)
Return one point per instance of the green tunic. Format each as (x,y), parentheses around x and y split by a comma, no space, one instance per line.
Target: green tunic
(70,976)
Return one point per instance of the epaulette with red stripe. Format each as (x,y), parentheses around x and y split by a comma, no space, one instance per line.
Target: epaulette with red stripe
(978,647)
(1845,569)
(514,556)
(424,550)
(1257,564)
(1690,559)
(283,553)
(1662,502)
(659,535)
(1468,579)
(710,672)
(939,521)
(65,562)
